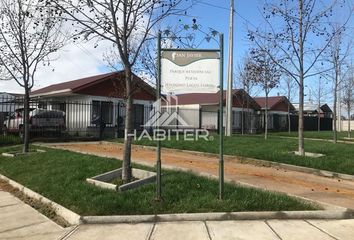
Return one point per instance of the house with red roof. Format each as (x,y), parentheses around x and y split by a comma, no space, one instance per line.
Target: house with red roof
(96,97)
(201,110)
(278,108)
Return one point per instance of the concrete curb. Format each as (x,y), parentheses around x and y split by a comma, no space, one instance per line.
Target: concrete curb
(69,216)
(15,154)
(76,219)
(220,216)
(103,180)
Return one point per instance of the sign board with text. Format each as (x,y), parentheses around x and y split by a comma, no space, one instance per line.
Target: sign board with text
(190,71)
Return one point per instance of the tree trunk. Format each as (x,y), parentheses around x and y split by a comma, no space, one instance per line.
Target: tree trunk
(242,122)
(266,119)
(318,120)
(301,118)
(335,110)
(126,168)
(349,133)
(289,120)
(25,127)
(301,81)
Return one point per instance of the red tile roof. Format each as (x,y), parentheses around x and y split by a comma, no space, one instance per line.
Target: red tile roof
(272,102)
(73,85)
(76,86)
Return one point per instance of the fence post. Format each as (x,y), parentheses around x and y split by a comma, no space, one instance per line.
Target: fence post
(200,117)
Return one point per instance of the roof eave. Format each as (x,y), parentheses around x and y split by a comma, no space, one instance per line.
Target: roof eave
(53,93)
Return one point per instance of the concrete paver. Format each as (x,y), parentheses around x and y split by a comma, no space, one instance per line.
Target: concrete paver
(225,230)
(20,221)
(297,230)
(7,199)
(112,232)
(180,231)
(9,219)
(40,231)
(340,229)
(240,230)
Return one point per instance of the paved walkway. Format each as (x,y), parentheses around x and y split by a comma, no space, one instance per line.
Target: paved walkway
(20,221)
(334,192)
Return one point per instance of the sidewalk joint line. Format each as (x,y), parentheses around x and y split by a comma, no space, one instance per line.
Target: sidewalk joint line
(151,231)
(208,230)
(24,226)
(68,234)
(325,232)
(271,228)
(9,205)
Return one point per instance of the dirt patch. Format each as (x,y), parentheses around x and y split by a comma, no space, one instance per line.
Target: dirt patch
(41,207)
(327,190)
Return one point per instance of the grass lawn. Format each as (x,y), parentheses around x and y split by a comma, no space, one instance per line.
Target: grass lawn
(315,134)
(339,157)
(9,140)
(60,176)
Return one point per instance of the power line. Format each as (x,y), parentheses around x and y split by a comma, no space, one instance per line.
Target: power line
(227,9)
(213,5)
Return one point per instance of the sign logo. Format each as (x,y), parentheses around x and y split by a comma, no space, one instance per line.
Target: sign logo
(164,113)
(165,123)
(190,71)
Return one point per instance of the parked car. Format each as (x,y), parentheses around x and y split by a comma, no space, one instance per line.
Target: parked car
(40,121)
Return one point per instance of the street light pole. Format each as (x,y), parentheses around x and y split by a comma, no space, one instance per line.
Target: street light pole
(230,73)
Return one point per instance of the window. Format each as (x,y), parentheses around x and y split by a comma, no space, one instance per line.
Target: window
(59,106)
(102,111)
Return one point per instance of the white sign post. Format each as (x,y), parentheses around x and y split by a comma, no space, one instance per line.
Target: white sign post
(190,71)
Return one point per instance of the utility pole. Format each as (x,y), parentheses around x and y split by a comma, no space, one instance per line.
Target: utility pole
(230,73)
(339,104)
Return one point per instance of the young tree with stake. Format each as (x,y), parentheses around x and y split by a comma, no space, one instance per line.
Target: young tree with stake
(268,76)
(127,24)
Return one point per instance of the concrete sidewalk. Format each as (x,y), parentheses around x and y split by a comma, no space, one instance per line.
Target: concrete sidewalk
(20,221)
(225,230)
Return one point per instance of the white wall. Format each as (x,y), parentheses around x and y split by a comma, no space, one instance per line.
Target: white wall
(345,125)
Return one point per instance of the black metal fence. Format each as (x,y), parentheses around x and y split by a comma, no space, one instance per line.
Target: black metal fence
(311,123)
(97,119)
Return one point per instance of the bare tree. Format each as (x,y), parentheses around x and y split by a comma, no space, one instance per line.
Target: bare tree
(247,82)
(338,53)
(318,93)
(268,76)
(28,35)
(348,95)
(290,87)
(127,24)
(299,31)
